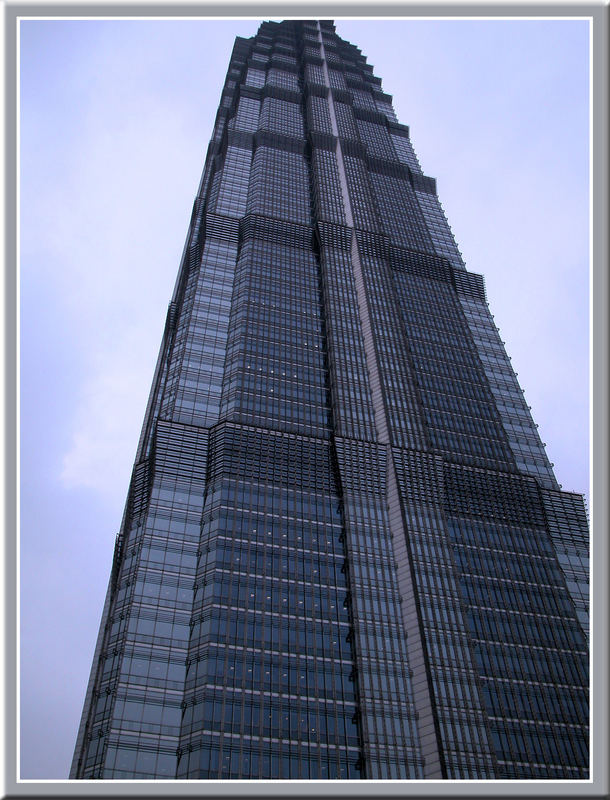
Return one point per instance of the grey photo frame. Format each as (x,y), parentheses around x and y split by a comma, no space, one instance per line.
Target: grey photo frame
(598,785)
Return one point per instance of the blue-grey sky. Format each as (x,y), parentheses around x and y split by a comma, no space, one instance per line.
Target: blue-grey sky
(115,122)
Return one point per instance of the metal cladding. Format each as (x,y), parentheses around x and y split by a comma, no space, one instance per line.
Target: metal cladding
(344,553)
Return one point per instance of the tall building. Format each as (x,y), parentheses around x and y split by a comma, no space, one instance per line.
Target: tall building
(344,552)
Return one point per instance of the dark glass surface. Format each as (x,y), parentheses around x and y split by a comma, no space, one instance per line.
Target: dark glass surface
(344,553)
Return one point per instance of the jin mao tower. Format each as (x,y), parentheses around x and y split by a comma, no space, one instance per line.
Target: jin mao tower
(344,553)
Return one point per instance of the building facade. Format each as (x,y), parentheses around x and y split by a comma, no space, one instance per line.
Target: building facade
(344,553)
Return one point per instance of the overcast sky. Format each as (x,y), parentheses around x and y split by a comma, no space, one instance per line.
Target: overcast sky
(115,122)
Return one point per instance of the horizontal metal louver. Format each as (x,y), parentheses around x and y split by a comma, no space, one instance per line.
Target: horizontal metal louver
(469,284)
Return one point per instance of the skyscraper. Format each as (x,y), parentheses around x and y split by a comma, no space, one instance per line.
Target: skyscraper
(344,553)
